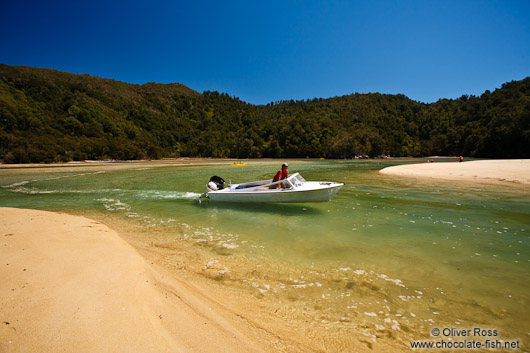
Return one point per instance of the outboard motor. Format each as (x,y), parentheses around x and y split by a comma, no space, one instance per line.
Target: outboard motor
(216,183)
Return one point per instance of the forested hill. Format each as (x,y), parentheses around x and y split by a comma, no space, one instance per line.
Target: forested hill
(47,115)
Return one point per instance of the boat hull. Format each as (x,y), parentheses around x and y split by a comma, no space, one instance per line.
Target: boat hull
(323,194)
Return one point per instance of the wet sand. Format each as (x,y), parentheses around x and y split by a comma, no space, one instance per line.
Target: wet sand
(72,284)
(506,171)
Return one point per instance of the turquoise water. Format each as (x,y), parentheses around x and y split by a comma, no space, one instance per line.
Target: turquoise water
(388,257)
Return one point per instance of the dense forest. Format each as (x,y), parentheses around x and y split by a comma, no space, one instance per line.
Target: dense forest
(49,116)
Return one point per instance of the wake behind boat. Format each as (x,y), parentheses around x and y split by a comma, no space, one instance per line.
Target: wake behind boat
(293,189)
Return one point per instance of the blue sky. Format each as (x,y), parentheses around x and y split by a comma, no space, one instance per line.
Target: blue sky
(263,51)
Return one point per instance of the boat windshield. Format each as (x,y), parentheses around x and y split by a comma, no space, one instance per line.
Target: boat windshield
(297,180)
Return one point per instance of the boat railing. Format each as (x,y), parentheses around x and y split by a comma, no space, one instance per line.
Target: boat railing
(292,182)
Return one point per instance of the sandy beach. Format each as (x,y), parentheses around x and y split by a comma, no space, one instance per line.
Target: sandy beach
(72,284)
(506,171)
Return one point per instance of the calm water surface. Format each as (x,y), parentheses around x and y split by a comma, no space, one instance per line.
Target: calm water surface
(390,257)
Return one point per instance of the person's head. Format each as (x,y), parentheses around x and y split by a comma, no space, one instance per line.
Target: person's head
(285,166)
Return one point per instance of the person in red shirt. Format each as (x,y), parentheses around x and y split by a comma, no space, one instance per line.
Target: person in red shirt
(282,174)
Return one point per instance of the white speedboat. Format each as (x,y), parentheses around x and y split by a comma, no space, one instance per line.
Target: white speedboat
(293,189)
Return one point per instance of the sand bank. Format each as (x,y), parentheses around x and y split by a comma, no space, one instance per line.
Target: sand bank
(514,171)
(118,164)
(69,283)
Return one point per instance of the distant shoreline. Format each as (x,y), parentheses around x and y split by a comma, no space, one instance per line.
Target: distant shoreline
(505,171)
(188,160)
(185,161)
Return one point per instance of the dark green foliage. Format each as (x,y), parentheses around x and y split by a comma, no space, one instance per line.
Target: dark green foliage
(47,116)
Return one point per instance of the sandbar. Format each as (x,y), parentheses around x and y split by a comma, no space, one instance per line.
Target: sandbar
(71,284)
(505,171)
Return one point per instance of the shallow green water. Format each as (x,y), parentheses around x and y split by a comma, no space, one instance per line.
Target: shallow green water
(385,255)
